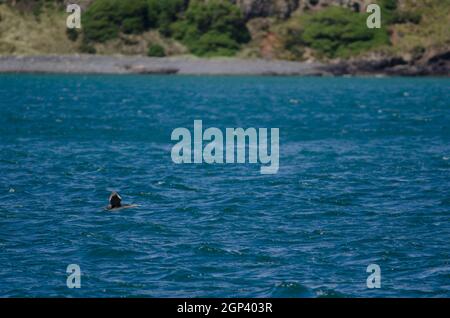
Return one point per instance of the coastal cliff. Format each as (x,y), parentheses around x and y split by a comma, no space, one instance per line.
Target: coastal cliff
(414,38)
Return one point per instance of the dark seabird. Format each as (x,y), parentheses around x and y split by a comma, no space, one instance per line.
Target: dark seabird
(114,201)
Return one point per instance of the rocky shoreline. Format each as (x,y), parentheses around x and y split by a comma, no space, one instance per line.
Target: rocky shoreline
(95,64)
(433,64)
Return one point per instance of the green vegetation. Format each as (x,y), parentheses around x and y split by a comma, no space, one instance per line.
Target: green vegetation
(104,19)
(21,32)
(207,28)
(335,32)
(406,17)
(156,50)
(410,28)
(212,28)
(162,14)
(391,14)
(101,21)
(340,32)
(388,5)
(36,7)
(133,15)
(432,32)
(72,34)
(87,48)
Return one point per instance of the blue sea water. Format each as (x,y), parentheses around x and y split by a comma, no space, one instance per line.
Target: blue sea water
(364,179)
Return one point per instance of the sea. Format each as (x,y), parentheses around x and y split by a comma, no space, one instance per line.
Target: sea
(363,183)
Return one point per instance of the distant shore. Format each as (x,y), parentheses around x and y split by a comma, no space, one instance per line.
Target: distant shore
(96,64)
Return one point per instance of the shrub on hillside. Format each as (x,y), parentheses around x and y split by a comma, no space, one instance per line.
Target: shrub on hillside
(406,17)
(340,32)
(101,21)
(211,28)
(134,16)
(214,44)
(161,14)
(389,5)
(72,34)
(156,50)
(87,48)
(104,19)
(391,14)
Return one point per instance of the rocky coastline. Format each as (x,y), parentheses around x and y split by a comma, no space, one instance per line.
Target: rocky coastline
(438,65)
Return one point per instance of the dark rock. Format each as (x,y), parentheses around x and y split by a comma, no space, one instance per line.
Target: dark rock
(365,66)
(142,69)
(267,8)
(434,65)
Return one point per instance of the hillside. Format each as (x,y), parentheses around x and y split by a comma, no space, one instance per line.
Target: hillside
(414,32)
